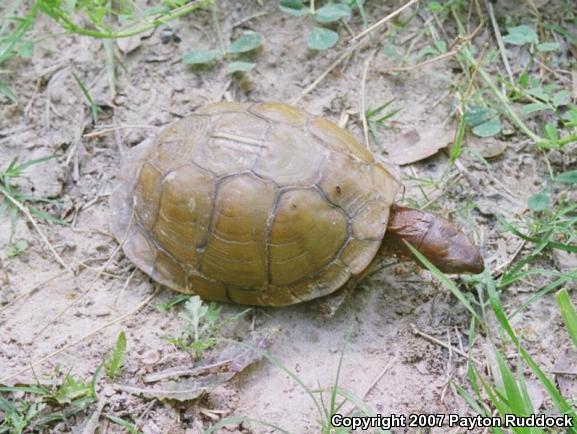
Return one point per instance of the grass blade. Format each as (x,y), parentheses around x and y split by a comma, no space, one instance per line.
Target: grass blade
(568,312)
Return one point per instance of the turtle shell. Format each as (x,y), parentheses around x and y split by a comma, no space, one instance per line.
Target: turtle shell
(252,203)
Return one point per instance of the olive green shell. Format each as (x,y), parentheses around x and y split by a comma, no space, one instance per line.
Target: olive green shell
(252,203)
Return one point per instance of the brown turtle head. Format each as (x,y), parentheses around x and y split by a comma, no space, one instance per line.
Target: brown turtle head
(439,240)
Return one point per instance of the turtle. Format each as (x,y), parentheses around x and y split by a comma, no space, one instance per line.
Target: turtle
(261,203)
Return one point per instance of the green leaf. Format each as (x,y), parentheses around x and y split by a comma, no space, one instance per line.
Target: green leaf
(114,362)
(521,35)
(322,39)
(548,46)
(7,92)
(551,133)
(26,49)
(427,50)
(539,202)
(569,177)
(240,67)
(71,390)
(247,42)
(293,7)
(435,6)
(568,313)
(199,57)
(441,46)
(172,302)
(475,115)
(563,97)
(332,12)
(16,248)
(488,129)
(535,107)
(132,428)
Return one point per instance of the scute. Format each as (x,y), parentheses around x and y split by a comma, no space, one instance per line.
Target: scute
(168,269)
(338,138)
(252,203)
(358,253)
(348,183)
(275,112)
(147,195)
(235,253)
(290,157)
(306,234)
(177,142)
(184,216)
(233,145)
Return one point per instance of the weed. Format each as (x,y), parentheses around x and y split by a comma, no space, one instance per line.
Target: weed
(36,408)
(246,43)
(321,37)
(201,323)
(113,363)
(377,119)
(94,109)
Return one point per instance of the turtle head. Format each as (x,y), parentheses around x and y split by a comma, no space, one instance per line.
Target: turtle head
(440,241)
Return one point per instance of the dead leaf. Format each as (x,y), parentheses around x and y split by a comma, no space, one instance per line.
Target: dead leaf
(415,145)
(128,45)
(233,359)
(186,390)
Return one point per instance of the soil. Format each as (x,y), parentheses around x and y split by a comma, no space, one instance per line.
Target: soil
(45,307)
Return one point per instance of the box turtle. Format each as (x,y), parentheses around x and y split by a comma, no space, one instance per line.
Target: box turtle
(264,204)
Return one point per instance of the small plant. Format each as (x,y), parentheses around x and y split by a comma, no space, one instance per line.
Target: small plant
(321,37)
(37,408)
(248,42)
(113,363)
(201,323)
(377,118)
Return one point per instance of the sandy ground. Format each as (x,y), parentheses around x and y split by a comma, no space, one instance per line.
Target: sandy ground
(154,88)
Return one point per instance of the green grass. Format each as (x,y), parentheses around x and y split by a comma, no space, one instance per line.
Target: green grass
(540,110)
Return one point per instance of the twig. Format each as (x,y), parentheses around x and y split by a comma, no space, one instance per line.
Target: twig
(81,339)
(116,128)
(434,340)
(499,41)
(384,20)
